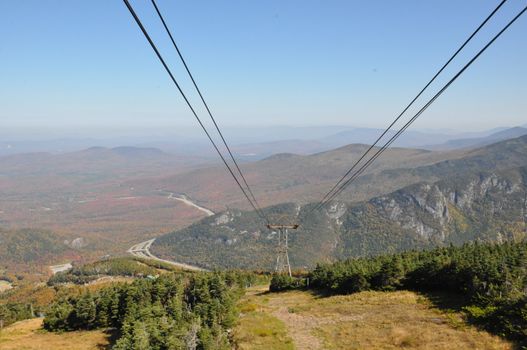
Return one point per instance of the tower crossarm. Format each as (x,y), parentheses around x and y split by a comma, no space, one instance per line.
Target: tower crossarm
(279,227)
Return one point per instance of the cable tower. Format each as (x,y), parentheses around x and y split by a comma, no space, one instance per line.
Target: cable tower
(281,225)
(524,213)
(282,255)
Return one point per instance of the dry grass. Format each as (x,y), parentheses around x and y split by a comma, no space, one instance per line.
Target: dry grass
(394,320)
(28,335)
(257,328)
(4,285)
(370,320)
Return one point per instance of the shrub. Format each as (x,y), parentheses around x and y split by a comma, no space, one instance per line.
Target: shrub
(281,282)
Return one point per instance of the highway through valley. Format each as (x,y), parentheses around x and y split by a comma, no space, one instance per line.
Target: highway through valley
(187,201)
(142,250)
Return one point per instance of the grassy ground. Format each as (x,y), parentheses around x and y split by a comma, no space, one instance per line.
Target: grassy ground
(301,320)
(258,329)
(28,335)
(367,320)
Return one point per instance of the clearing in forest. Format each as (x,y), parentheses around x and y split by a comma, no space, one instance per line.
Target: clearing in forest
(29,335)
(366,320)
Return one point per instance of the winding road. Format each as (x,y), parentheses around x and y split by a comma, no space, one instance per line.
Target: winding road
(187,201)
(142,250)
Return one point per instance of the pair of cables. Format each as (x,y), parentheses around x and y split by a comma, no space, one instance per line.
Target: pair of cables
(352,175)
(235,171)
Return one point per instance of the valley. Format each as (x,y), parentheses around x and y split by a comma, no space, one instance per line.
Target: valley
(481,196)
(101,201)
(84,197)
(130,196)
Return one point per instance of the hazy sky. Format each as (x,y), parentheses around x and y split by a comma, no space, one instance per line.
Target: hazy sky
(81,64)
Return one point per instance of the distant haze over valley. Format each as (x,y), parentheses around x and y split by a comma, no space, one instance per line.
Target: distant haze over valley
(248,142)
(113,197)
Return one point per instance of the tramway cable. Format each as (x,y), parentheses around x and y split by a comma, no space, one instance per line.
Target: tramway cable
(393,138)
(329,193)
(160,57)
(205,104)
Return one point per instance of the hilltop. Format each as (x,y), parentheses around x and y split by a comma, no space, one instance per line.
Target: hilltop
(366,320)
(281,177)
(431,299)
(475,142)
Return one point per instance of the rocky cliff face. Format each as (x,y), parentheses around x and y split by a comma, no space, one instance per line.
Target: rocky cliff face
(485,206)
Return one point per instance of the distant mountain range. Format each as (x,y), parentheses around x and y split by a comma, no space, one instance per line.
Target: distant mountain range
(481,141)
(280,177)
(480,196)
(249,143)
(113,197)
(410,139)
(127,151)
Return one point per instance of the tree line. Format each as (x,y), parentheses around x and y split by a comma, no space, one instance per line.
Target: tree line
(123,266)
(13,312)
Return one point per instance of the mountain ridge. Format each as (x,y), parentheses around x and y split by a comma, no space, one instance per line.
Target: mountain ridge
(479,197)
(497,136)
(486,207)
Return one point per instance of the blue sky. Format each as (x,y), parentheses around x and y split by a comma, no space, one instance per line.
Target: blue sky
(84,64)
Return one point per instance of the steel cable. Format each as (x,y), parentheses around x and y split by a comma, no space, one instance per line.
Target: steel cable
(393,138)
(329,193)
(160,57)
(205,104)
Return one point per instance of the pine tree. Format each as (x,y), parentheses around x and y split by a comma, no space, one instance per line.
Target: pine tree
(140,337)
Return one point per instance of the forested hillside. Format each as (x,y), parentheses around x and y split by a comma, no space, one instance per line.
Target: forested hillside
(485,206)
(27,249)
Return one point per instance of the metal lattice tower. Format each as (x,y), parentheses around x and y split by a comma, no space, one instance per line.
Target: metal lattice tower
(282,255)
(524,213)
